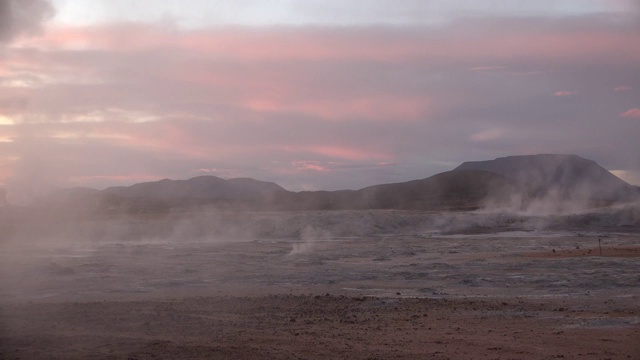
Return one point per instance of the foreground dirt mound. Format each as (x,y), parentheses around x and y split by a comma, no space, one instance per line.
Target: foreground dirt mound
(320,327)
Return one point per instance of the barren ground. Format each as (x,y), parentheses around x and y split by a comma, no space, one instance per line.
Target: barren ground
(368,285)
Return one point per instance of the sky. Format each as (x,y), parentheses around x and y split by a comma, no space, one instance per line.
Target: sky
(310,94)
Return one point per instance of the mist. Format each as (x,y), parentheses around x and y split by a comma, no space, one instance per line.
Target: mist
(324,180)
(74,270)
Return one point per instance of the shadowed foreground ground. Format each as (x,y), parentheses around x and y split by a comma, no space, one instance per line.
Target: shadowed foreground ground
(321,327)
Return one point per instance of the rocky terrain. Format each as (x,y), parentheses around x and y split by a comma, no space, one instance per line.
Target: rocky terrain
(317,284)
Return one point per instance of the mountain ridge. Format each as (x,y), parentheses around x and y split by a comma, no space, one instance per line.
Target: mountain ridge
(517,181)
(199,187)
(563,175)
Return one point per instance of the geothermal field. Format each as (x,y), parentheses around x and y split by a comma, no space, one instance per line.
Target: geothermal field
(312,179)
(358,284)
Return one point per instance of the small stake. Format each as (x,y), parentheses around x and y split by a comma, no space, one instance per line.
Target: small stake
(600,246)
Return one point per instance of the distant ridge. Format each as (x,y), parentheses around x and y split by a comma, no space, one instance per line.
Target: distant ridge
(563,176)
(516,182)
(451,190)
(201,187)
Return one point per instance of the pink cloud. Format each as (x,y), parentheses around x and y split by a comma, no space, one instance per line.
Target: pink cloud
(528,73)
(375,107)
(218,58)
(486,68)
(489,135)
(118,37)
(621,88)
(223,172)
(207,170)
(565,93)
(123,179)
(159,137)
(333,97)
(395,45)
(238,43)
(340,152)
(347,153)
(330,166)
(310,165)
(631,113)
(187,56)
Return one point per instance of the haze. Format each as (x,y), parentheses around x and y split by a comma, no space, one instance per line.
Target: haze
(153,157)
(309,94)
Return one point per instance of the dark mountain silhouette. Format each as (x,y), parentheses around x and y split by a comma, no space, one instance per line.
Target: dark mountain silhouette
(453,190)
(472,185)
(201,187)
(562,176)
(166,194)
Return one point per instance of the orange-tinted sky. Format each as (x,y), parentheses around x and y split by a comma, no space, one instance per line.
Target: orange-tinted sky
(310,94)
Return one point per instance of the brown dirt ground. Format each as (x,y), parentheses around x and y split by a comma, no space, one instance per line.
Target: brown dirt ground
(605,251)
(317,327)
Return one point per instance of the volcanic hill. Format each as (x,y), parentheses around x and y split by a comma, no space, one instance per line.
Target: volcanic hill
(514,181)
